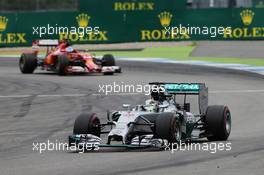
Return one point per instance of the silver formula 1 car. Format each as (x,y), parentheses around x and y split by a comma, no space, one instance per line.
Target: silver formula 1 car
(161,120)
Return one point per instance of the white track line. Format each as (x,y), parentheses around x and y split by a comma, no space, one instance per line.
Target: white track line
(63,95)
(14,96)
(47,95)
(102,94)
(236,91)
(121,93)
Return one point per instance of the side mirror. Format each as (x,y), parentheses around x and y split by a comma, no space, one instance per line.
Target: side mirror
(164,106)
(126,105)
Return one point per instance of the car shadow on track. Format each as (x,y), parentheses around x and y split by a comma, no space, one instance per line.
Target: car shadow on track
(55,74)
(125,150)
(119,150)
(72,74)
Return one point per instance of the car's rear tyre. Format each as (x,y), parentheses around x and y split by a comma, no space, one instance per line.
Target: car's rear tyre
(62,64)
(108,60)
(167,127)
(87,123)
(218,123)
(28,63)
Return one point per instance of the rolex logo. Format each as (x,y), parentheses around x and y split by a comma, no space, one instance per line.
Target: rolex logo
(247,16)
(165,18)
(83,20)
(3,23)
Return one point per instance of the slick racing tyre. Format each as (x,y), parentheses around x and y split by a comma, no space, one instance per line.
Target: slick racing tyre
(62,64)
(218,123)
(87,123)
(167,127)
(28,63)
(108,60)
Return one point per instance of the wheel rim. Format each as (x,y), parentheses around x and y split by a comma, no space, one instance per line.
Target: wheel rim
(177,133)
(22,63)
(228,122)
(94,125)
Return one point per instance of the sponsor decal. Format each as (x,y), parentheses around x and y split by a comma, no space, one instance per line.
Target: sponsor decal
(134,6)
(248,31)
(165,19)
(83,20)
(10,38)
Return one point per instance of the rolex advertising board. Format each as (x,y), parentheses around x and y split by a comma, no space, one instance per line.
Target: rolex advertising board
(9,34)
(132,21)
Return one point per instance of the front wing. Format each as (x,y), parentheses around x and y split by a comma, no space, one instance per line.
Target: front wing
(92,141)
(105,69)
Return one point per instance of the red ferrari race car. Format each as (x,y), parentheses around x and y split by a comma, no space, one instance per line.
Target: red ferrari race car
(63,59)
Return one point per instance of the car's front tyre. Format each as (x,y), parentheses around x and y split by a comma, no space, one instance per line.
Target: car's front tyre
(62,64)
(108,60)
(167,127)
(87,123)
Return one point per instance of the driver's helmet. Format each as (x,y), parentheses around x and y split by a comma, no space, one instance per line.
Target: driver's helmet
(69,49)
(158,94)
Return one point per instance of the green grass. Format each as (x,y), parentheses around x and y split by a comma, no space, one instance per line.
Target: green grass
(157,52)
(181,53)
(175,52)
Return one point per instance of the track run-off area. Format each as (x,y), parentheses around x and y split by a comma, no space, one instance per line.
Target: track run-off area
(43,106)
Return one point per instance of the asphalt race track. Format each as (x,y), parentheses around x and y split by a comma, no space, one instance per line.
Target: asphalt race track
(43,106)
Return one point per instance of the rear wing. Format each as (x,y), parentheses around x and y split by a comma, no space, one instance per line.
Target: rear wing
(187,89)
(46,42)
